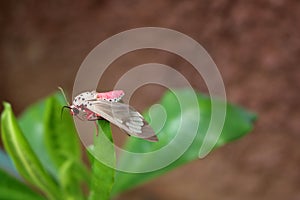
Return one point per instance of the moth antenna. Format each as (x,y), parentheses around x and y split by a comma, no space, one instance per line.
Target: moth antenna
(62,110)
(63,93)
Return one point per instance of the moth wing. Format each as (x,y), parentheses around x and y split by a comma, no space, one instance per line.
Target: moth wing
(125,117)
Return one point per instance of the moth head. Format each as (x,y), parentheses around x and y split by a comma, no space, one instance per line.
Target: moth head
(73,110)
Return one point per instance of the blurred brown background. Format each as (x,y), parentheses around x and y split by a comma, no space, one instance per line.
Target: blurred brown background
(255,44)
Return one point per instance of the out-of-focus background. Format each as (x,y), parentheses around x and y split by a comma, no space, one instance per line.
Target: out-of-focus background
(255,44)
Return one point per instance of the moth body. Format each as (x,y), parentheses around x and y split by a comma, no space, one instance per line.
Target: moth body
(93,106)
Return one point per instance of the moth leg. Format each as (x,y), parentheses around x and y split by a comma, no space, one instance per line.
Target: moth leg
(97,129)
(92,116)
(95,122)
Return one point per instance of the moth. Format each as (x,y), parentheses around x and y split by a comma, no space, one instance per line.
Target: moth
(92,106)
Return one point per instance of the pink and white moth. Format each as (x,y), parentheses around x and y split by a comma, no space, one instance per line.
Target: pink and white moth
(94,106)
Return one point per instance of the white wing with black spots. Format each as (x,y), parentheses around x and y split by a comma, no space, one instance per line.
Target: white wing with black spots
(124,116)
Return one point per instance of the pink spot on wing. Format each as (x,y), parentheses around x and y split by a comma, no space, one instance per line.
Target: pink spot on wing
(112,95)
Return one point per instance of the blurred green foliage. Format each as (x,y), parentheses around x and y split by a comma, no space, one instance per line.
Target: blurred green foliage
(46,151)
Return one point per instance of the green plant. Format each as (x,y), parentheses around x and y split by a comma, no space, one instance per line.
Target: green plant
(46,151)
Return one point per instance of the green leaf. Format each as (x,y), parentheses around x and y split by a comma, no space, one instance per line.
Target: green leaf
(103,163)
(181,115)
(32,124)
(54,140)
(23,156)
(60,134)
(12,189)
(7,165)
(63,147)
